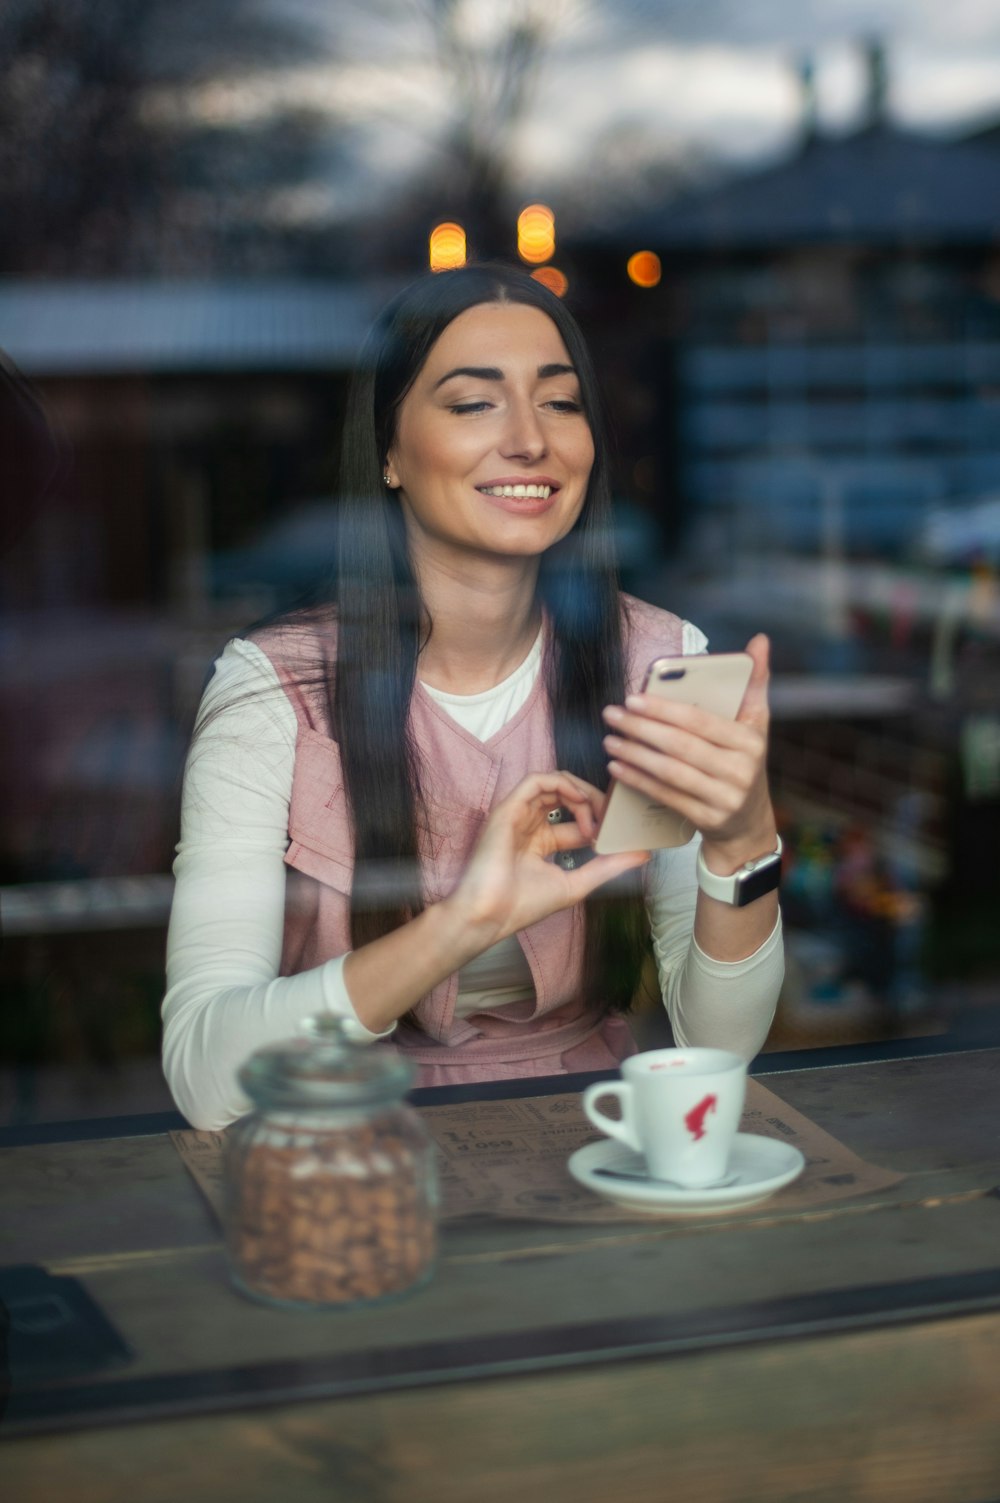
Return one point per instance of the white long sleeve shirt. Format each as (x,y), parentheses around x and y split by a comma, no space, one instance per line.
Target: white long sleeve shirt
(224,995)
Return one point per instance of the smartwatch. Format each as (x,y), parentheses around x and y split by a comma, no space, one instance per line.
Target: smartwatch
(745,886)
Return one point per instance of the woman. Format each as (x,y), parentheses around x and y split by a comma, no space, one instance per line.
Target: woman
(413,755)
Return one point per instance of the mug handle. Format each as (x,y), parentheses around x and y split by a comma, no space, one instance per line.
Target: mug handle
(624,1130)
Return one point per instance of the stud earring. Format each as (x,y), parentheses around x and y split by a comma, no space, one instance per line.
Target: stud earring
(387,478)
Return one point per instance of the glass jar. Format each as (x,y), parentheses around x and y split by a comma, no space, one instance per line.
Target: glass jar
(331,1187)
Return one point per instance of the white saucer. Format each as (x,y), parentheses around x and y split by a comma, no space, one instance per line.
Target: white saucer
(761,1166)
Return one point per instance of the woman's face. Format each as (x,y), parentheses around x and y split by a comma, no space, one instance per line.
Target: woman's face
(492,452)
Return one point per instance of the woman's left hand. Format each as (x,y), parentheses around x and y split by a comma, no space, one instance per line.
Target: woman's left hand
(711,770)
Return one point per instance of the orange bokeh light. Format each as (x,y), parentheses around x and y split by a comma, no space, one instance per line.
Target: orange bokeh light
(552,278)
(644,268)
(536,234)
(447,246)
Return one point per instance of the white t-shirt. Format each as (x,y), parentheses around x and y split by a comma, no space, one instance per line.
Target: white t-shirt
(224,996)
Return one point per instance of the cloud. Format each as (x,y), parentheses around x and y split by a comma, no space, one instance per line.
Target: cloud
(714,78)
(932,89)
(720,75)
(713,94)
(795,24)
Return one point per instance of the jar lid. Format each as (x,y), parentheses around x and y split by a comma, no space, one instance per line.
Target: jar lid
(324,1067)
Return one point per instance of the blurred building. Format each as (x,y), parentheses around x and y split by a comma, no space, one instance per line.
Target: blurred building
(809,399)
(832,334)
(167,467)
(198,427)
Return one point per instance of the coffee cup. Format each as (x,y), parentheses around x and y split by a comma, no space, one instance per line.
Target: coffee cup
(680,1108)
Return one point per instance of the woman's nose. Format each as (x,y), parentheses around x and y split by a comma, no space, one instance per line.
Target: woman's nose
(524,436)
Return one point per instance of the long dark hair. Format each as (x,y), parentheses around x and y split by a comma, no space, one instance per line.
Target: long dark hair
(381,623)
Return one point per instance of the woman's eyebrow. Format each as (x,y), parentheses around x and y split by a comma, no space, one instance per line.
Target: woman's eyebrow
(477,372)
(494,373)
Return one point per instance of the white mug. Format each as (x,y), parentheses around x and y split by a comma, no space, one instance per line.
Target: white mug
(681,1109)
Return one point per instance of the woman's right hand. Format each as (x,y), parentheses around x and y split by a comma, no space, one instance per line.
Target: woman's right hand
(511,880)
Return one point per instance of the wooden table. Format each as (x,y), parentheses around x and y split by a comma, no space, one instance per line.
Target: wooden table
(850,1353)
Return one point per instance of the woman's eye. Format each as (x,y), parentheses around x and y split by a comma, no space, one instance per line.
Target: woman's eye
(469,406)
(564,404)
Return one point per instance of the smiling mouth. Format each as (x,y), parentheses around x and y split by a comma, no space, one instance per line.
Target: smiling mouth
(517,492)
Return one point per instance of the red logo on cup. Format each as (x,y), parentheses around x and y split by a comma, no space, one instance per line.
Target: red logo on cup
(694,1121)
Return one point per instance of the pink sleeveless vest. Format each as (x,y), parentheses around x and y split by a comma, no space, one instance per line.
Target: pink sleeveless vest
(462,779)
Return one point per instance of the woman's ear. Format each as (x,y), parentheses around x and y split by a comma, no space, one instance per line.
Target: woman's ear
(389,476)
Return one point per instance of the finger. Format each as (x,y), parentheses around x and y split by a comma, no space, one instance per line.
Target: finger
(730,764)
(586,879)
(583,816)
(539,794)
(582,791)
(553,785)
(569,836)
(663,779)
(719,811)
(580,799)
(647,718)
(754,709)
(704,812)
(706,795)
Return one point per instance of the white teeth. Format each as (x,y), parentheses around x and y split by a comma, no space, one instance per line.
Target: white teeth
(521,492)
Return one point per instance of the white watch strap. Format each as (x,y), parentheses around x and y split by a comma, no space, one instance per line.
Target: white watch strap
(726,889)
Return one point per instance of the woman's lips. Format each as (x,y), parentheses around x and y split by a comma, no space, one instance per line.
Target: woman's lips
(523,505)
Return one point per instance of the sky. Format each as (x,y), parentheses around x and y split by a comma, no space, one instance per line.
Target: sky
(719,75)
(704,81)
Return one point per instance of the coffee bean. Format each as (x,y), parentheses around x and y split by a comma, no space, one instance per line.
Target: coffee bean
(331,1217)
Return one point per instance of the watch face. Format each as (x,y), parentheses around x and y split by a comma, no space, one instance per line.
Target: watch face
(756,883)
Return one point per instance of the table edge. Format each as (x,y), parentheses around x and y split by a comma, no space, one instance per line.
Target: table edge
(364,1371)
(153,1124)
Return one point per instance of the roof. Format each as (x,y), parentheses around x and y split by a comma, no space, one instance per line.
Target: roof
(110,328)
(878,186)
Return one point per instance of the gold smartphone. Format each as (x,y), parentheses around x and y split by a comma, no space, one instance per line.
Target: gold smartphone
(713,681)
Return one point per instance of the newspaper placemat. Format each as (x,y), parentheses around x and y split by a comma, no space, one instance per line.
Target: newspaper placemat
(508,1159)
